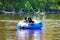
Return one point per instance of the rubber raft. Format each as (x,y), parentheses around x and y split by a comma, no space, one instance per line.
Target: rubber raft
(35,25)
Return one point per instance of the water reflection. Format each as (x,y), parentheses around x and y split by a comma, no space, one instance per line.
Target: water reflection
(29,34)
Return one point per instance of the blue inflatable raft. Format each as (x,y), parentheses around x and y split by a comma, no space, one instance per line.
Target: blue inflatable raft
(35,25)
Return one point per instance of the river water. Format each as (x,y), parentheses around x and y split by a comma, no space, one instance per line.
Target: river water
(21,34)
(51,31)
(8,31)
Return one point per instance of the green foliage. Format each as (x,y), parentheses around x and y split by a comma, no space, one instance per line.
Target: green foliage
(28,5)
(8,7)
(1,4)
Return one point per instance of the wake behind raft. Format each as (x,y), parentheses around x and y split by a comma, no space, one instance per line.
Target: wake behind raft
(35,25)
